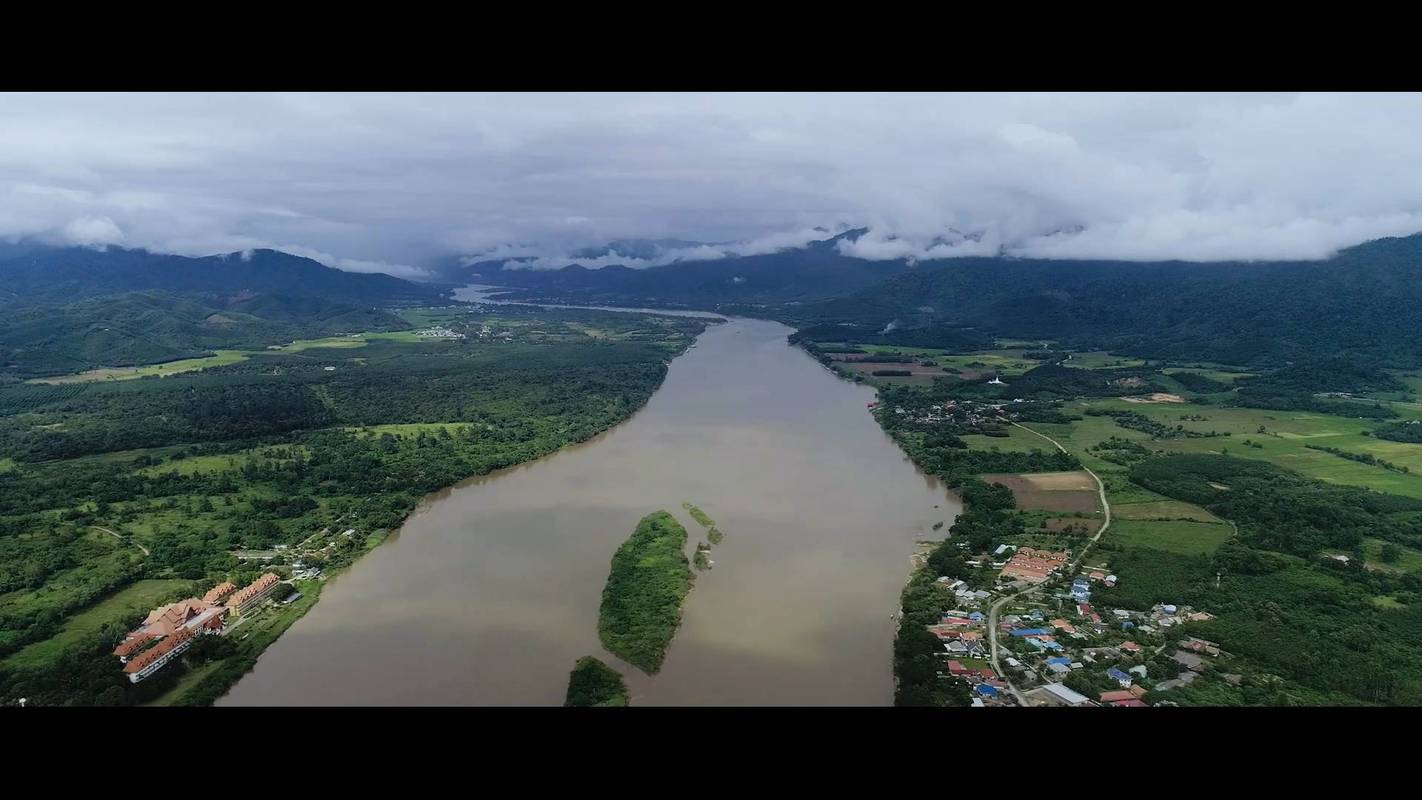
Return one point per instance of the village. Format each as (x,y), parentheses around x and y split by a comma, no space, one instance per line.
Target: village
(1056,649)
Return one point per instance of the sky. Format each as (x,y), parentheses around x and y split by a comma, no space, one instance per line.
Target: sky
(397,182)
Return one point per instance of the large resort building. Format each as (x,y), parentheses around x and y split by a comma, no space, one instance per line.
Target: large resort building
(169,630)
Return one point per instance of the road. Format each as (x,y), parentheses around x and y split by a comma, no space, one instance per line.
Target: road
(1071,570)
(119,536)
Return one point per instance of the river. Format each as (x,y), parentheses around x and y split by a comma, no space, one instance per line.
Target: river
(490,591)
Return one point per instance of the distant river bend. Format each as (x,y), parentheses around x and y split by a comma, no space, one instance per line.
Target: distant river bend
(490,591)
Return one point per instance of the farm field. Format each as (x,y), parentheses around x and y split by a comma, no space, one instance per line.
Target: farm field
(1186,538)
(1284,442)
(1050,491)
(220,358)
(1099,359)
(408,429)
(1162,510)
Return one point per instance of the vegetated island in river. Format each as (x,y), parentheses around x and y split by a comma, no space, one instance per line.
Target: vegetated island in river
(594,684)
(641,604)
(704,521)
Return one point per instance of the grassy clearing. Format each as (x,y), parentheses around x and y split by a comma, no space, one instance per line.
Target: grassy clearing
(1283,442)
(1222,375)
(1100,359)
(133,601)
(409,429)
(1186,538)
(1409,561)
(1162,510)
(219,358)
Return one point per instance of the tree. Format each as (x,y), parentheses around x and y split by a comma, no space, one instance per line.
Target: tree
(1390,553)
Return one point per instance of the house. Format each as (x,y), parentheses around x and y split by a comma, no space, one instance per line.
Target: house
(1139,669)
(1064,695)
(1132,703)
(1012,662)
(1062,625)
(1130,647)
(1190,661)
(1119,677)
(1032,632)
(1137,690)
(1116,696)
(955,668)
(1058,669)
(1083,609)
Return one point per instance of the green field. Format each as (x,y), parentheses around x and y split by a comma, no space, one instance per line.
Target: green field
(1186,538)
(1099,359)
(1214,373)
(1162,510)
(1409,561)
(219,358)
(409,429)
(1284,441)
(134,601)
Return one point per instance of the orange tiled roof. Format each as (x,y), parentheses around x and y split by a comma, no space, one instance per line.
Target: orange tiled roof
(221,590)
(253,589)
(147,657)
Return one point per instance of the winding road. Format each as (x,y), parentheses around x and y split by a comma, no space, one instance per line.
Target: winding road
(994,610)
(119,536)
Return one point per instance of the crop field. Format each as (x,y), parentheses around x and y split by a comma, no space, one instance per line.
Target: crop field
(1186,538)
(1162,510)
(1050,491)
(1099,359)
(1283,442)
(219,358)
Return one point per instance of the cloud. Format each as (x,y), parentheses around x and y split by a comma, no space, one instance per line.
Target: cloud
(396,182)
(93,231)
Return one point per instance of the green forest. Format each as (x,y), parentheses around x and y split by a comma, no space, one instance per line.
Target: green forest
(162,482)
(593,684)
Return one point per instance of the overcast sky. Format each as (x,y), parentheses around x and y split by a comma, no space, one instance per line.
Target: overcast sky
(391,182)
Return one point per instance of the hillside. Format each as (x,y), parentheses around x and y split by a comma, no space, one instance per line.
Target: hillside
(816,272)
(1363,300)
(34,275)
(74,309)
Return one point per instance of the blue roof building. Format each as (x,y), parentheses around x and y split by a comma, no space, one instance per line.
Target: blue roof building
(976,616)
(1063,660)
(1119,677)
(986,690)
(1032,632)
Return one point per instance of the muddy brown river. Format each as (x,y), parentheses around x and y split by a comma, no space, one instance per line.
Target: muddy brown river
(490,591)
